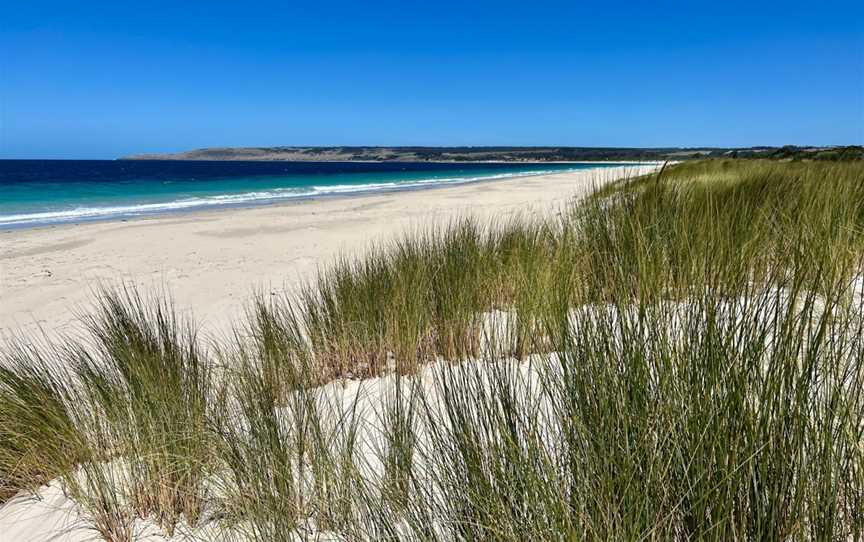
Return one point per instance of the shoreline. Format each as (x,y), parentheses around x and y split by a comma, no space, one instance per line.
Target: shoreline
(409,186)
(212,260)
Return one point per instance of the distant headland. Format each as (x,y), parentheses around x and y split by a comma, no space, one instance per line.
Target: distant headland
(499,154)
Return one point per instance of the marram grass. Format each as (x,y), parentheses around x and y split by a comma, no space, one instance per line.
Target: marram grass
(676,357)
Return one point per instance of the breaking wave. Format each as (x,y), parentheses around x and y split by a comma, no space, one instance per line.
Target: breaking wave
(101,212)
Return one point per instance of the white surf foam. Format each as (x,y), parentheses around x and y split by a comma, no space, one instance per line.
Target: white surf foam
(83,213)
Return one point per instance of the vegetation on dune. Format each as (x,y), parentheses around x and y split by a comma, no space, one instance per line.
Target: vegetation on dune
(722,225)
(122,417)
(147,387)
(37,438)
(676,357)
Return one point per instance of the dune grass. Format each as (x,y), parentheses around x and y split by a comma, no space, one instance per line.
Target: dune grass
(37,436)
(122,417)
(675,357)
(147,390)
(721,225)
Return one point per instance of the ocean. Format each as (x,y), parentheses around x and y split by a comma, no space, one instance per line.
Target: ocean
(43,192)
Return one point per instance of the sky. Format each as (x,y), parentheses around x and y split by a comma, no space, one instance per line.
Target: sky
(105,79)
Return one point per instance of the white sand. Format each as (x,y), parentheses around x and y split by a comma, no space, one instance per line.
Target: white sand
(212,261)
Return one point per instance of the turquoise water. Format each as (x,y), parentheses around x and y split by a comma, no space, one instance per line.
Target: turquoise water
(35,193)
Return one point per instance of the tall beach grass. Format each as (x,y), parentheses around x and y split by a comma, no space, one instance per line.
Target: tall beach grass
(675,357)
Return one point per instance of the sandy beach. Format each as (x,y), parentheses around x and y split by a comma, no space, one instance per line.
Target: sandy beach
(211,262)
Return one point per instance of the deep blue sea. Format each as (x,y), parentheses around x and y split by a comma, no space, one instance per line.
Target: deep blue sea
(41,192)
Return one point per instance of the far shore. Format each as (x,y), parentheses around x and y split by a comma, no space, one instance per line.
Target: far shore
(453,162)
(211,261)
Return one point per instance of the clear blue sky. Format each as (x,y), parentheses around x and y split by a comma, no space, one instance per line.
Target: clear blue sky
(102,79)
